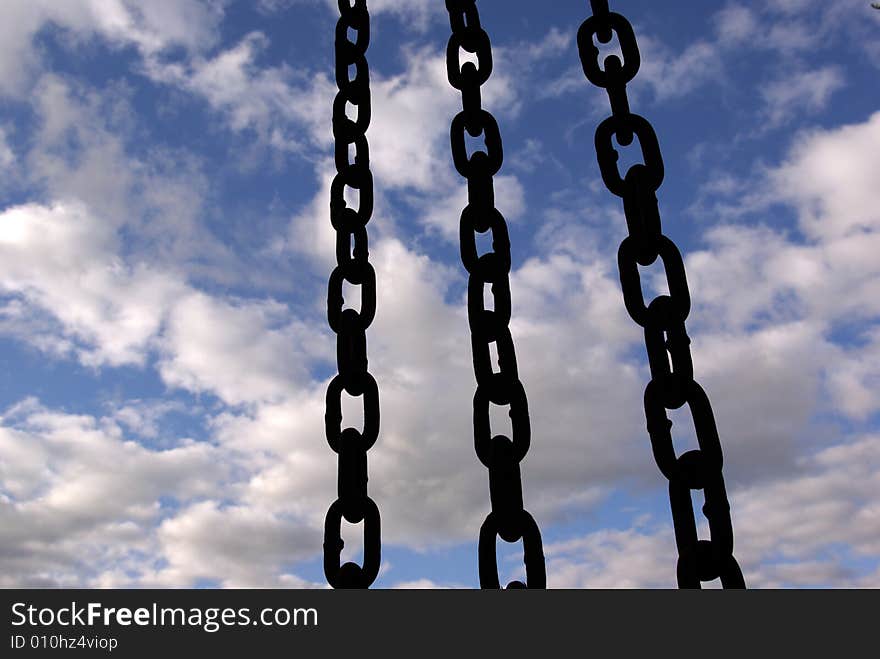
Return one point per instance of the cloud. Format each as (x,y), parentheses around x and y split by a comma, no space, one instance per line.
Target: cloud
(290,110)
(801,531)
(238,547)
(150,28)
(58,260)
(828,511)
(767,305)
(443,216)
(409,154)
(416,13)
(852,383)
(674,75)
(98,266)
(421,584)
(272,102)
(788,316)
(75,486)
(420,455)
(143,417)
(62,263)
(7,155)
(86,149)
(735,23)
(828,177)
(234,348)
(77,288)
(613,559)
(808,91)
(792,33)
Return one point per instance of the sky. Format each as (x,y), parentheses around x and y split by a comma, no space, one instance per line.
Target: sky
(165,246)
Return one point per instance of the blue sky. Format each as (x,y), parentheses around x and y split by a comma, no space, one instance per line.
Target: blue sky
(165,246)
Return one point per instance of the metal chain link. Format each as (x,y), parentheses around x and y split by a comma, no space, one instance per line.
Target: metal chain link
(350,325)
(663,319)
(500,454)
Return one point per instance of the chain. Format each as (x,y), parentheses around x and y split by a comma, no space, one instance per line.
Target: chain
(663,319)
(350,326)
(501,455)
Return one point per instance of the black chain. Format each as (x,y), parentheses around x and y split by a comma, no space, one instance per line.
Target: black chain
(350,326)
(501,455)
(672,376)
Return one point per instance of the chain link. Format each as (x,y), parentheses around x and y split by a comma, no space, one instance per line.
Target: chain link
(501,455)
(350,325)
(663,319)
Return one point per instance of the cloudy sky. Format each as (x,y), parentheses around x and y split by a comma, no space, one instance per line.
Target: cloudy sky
(165,246)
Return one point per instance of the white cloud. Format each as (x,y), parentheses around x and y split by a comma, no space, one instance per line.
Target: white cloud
(766,305)
(63,262)
(414,459)
(78,289)
(764,309)
(239,547)
(853,381)
(286,109)
(149,27)
(75,486)
(443,216)
(673,75)
(7,155)
(409,152)
(735,24)
(754,279)
(421,584)
(807,91)
(417,13)
(829,177)
(798,531)
(828,511)
(59,260)
(274,102)
(241,350)
(410,128)
(84,151)
(613,559)
(142,417)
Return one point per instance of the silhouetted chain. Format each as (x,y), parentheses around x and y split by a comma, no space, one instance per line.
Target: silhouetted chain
(350,325)
(501,455)
(668,346)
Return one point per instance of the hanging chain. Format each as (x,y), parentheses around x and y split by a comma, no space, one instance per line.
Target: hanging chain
(663,319)
(501,455)
(350,325)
